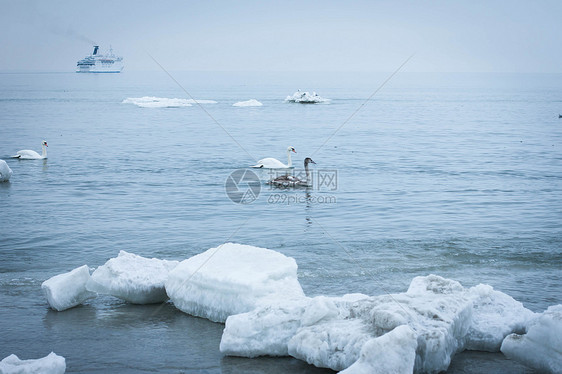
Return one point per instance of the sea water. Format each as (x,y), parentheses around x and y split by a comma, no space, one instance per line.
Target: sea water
(458,175)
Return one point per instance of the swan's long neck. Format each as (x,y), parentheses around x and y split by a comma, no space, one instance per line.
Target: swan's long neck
(44,154)
(307,172)
(289,162)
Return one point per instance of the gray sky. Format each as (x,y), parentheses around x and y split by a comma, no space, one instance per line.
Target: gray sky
(454,36)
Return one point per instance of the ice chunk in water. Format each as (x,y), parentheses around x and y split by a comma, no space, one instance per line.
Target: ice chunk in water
(251,102)
(541,347)
(306,98)
(68,290)
(133,278)
(51,364)
(494,316)
(232,279)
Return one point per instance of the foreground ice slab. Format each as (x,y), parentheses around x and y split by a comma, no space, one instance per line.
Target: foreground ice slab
(133,278)
(51,364)
(232,279)
(434,318)
(68,290)
(251,102)
(306,98)
(541,347)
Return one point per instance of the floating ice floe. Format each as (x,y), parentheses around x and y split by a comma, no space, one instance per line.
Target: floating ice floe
(306,98)
(5,171)
(251,102)
(541,347)
(163,102)
(350,332)
(51,364)
(232,279)
(133,278)
(68,290)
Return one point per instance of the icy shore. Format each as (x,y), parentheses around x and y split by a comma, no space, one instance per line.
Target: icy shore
(256,292)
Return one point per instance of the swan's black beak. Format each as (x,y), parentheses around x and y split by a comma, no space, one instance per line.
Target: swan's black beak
(313,161)
(293,150)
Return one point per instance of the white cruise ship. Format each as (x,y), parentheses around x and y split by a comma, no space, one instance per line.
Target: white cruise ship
(100,63)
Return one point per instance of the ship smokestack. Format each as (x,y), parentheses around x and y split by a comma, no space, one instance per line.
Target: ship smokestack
(95,50)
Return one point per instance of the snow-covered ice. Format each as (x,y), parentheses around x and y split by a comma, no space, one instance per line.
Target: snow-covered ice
(347,332)
(133,278)
(232,279)
(541,347)
(494,316)
(5,171)
(306,98)
(68,290)
(50,364)
(394,352)
(163,102)
(251,102)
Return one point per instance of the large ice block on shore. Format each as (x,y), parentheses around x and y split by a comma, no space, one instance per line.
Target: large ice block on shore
(68,290)
(494,316)
(541,347)
(332,331)
(232,279)
(133,278)
(51,364)
(336,332)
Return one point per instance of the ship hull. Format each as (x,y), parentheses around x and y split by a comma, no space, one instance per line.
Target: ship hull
(100,63)
(97,71)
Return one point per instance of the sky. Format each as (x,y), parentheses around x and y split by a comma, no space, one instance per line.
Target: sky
(445,36)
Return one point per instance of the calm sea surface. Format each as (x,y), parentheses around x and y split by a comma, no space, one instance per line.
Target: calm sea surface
(458,175)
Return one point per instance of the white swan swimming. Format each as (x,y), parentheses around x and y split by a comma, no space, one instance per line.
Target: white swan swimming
(286,181)
(273,163)
(5,171)
(27,154)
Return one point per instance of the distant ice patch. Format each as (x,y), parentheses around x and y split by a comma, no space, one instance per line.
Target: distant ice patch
(306,98)
(133,278)
(251,102)
(51,364)
(541,347)
(231,279)
(163,102)
(68,290)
